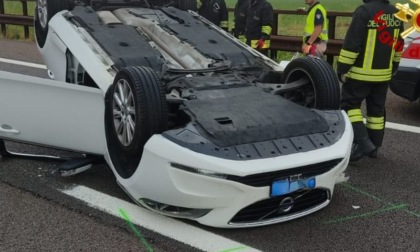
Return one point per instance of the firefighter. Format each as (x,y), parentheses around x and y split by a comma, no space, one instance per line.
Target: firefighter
(370,56)
(259,25)
(215,11)
(240,14)
(315,36)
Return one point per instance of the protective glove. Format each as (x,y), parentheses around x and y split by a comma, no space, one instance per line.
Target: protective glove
(341,77)
(260,43)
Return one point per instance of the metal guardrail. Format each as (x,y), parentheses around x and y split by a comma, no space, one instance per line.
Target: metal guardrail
(23,20)
(278,42)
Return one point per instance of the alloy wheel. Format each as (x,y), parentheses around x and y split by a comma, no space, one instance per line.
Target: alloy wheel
(124,112)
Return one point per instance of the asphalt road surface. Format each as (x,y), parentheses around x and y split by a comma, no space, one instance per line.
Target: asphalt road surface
(378,209)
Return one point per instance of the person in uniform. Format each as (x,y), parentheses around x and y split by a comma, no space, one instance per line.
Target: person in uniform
(240,15)
(369,57)
(315,36)
(215,11)
(259,25)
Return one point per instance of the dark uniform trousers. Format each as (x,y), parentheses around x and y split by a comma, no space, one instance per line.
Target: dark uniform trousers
(353,93)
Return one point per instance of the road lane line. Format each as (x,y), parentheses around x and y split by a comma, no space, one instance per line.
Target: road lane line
(166,226)
(22,63)
(402,127)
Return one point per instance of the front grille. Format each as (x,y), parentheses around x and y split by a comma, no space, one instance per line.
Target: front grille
(269,209)
(266,179)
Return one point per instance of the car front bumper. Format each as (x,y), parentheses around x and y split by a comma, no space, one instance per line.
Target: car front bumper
(406,83)
(158,180)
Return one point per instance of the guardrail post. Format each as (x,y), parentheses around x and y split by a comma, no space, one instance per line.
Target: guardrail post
(3,26)
(275,31)
(25,13)
(331,35)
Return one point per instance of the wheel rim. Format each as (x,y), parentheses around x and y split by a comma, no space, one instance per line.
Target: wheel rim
(305,96)
(42,13)
(124,112)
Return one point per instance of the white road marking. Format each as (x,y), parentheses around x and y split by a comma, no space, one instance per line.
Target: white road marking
(402,127)
(22,63)
(166,226)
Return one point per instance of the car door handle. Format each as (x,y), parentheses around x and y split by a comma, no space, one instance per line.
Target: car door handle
(7,129)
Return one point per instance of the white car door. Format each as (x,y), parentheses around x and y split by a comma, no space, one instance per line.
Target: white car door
(51,113)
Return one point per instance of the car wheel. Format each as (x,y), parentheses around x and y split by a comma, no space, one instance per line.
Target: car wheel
(322,90)
(187,5)
(44,11)
(135,110)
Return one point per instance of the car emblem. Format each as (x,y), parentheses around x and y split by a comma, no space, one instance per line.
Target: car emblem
(286,205)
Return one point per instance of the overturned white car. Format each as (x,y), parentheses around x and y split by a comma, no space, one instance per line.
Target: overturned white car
(193,123)
(406,83)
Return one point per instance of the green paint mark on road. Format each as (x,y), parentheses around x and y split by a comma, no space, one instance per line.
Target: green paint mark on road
(234,249)
(412,213)
(361,192)
(368,214)
(141,238)
(355,189)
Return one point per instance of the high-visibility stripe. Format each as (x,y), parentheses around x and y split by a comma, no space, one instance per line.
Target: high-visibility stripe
(266,29)
(199,3)
(348,54)
(355,115)
(375,72)
(372,75)
(396,56)
(242,38)
(345,60)
(224,24)
(375,126)
(370,78)
(370,49)
(375,123)
(254,44)
(372,119)
(353,112)
(347,57)
(396,32)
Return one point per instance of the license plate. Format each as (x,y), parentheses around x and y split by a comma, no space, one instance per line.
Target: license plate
(291,184)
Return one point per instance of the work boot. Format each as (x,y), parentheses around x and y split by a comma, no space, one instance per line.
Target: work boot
(374,154)
(361,148)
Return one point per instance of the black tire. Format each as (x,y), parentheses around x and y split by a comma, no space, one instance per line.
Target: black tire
(150,116)
(53,7)
(323,89)
(187,5)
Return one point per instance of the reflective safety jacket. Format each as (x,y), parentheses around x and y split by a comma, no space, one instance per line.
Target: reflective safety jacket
(215,11)
(259,23)
(373,44)
(317,15)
